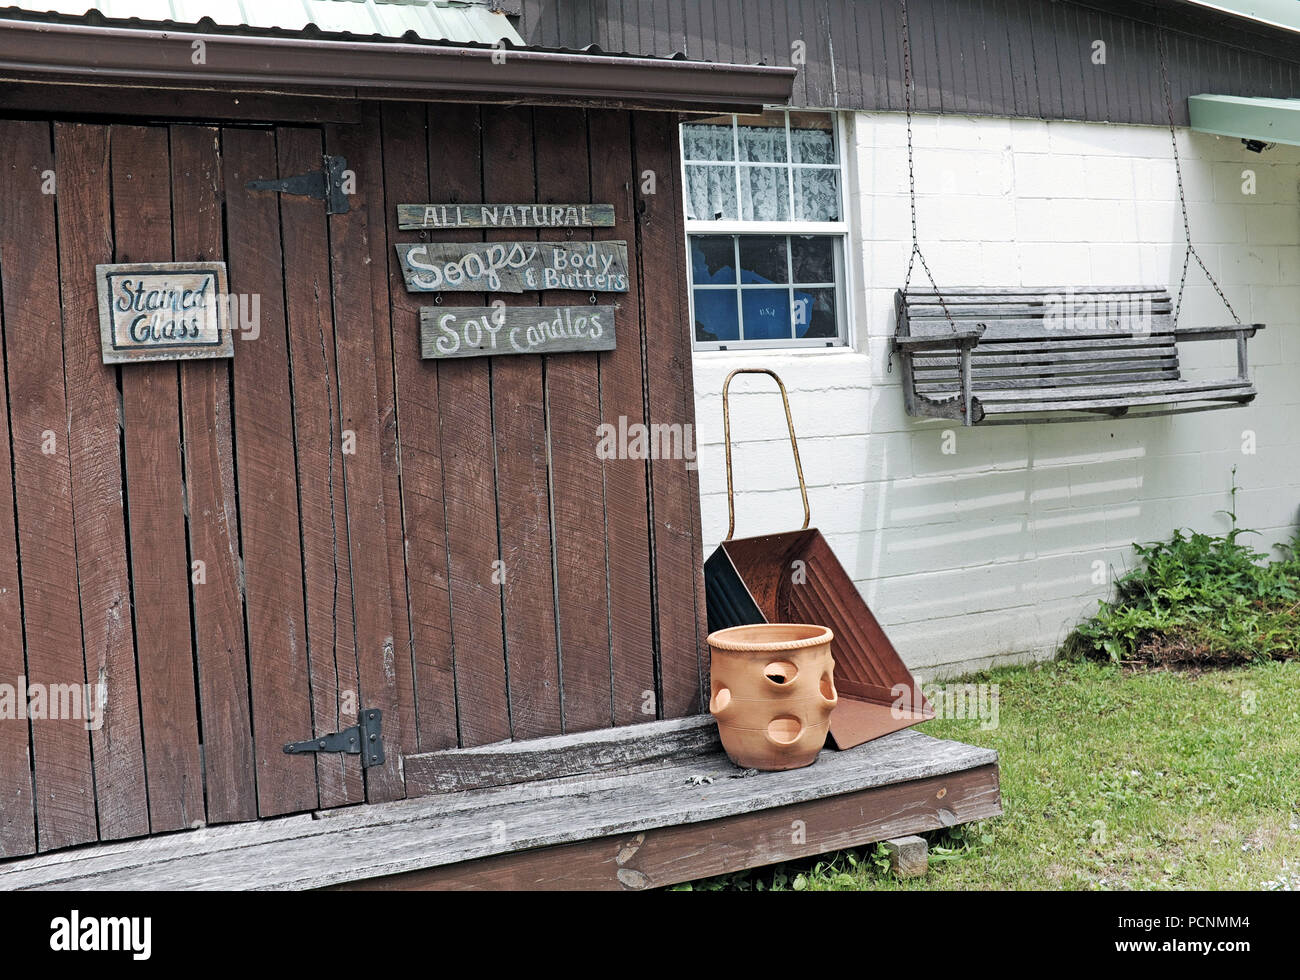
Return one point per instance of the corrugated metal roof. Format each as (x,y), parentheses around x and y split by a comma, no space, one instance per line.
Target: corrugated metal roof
(433,20)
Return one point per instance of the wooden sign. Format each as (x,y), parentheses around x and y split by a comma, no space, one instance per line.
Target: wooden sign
(513,267)
(165,311)
(478,331)
(411,217)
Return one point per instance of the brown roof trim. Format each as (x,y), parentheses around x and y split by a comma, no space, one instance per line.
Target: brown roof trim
(131,57)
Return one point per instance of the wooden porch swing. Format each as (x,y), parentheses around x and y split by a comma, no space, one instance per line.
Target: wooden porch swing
(994,356)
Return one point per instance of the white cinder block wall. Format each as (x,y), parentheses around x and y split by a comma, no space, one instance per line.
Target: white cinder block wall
(986,556)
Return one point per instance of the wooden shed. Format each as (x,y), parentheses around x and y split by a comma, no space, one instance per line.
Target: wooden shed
(327,536)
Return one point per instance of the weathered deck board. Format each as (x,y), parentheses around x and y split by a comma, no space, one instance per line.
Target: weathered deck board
(359,843)
(197,230)
(665,856)
(586,753)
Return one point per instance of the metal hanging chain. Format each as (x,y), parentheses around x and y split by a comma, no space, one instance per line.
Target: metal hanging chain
(911,182)
(1191,252)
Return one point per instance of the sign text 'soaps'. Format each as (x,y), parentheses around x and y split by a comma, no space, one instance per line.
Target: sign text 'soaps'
(476,331)
(513,267)
(163,311)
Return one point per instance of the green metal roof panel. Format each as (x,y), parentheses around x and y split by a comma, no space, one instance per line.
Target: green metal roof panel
(434,20)
(1266,120)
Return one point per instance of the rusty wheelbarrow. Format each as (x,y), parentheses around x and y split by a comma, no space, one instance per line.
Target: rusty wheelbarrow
(794,577)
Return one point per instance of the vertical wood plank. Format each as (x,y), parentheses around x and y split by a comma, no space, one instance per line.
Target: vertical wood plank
(377,216)
(468,461)
(264,452)
(94,446)
(406,177)
(385,674)
(160,573)
(573,416)
(615,179)
(520,438)
(210,480)
(331,640)
(674,496)
(65,793)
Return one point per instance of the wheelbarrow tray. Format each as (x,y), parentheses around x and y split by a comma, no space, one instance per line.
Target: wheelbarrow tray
(757,580)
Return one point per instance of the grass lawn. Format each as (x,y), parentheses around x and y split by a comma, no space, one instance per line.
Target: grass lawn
(1113,779)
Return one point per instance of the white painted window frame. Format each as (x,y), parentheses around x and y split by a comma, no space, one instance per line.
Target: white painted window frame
(839,230)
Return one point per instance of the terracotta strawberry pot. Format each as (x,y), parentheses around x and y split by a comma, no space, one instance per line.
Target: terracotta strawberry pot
(773,693)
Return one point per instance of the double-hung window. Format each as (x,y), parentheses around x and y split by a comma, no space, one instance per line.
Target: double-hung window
(766,230)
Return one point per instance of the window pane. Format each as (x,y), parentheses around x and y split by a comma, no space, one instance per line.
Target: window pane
(715,315)
(765,194)
(815,313)
(763,259)
(713,259)
(762,138)
(767,314)
(708,141)
(816,195)
(711,193)
(814,258)
(812,137)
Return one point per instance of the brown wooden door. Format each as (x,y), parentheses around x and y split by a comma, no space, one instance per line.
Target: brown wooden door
(228,555)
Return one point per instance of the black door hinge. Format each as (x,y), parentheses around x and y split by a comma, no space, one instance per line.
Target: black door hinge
(363,738)
(323,185)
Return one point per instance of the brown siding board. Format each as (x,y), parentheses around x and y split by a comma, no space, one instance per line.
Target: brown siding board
(384,672)
(378,213)
(327,578)
(94,448)
(65,795)
(417,390)
(469,477)
(573,408)
(269,522)
(160,572)
(518,405)
(622,394)
(674,488)
(210,481)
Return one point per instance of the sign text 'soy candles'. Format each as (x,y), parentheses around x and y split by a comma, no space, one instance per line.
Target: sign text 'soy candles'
(477,331)
(164,311)
(513,267)
(412,217)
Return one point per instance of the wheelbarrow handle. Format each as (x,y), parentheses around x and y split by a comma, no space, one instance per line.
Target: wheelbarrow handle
(726,438)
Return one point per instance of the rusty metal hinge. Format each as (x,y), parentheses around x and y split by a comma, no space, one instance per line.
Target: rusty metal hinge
(364,739)
(322,185)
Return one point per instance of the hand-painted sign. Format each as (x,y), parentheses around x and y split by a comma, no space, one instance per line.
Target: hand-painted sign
(411,217)
(513,267)
(476,331)
(164,311)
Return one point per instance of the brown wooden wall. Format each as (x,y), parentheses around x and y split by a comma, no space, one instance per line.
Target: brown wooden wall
(473,568)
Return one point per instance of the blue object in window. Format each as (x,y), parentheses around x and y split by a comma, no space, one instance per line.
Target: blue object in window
(715,315)
(767,314)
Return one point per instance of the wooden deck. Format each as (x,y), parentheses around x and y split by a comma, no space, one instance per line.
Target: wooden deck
(630,822)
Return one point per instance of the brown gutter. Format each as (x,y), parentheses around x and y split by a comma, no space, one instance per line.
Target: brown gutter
(130,57)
